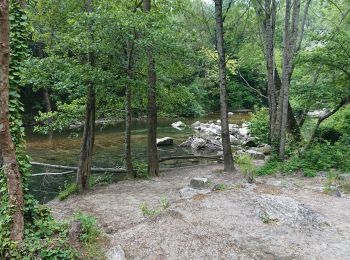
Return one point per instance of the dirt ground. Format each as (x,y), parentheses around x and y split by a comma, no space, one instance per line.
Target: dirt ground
(225,224)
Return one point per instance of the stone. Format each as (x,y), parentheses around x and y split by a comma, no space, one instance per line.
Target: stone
(255,154)
(230,113)
(165,141)
(116,253)
(188,192)
(199,183)
(234,140)
(244,131)
(179,125)
(75,230)
(344,177)
(286,210)
(218,122)
(198,143)
(335,192)
(196,124)
(266,149)
(250,142)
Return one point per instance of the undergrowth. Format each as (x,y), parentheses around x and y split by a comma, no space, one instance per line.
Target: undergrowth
(149,211)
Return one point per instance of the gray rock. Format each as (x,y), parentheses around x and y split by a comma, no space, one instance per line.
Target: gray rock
(75,230)
(230,113)
(188,192)
(265,149)
(199,183)
(344,177)
(178,125)
(116,253)
(250,142)
(255,154)
(198,143)
(196,124)
(335,192)
(286,210)
(234,140)
(165,141)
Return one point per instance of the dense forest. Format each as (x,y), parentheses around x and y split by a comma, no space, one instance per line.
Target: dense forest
(253,80)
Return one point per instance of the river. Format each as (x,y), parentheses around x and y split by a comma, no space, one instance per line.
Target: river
(63,148)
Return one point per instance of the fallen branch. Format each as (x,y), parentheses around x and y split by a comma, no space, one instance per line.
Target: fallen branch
(216,158)
(63,167)
(52,173)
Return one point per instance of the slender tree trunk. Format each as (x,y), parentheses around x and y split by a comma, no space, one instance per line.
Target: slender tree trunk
(47,101)
(7,148)
(152,153)
(128,116)
(225,134)
(87,145)
(291,23)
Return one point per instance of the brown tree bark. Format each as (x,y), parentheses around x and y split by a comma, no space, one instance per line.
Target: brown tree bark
(225,134)
(128,115)
(152,152)
(7,148)
(290,37)
(88,140)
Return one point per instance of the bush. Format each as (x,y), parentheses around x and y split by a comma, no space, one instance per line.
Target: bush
(247,166)
(319,157)
(259,125)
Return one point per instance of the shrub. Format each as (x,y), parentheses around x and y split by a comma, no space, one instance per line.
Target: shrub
(259,125)
(149,211)
(248,168)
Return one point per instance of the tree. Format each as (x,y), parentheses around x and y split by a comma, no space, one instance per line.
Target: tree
(8,160)
(87,145)
(225,134)
(152,152)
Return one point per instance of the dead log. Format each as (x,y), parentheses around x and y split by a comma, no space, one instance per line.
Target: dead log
(216,158)
(63,167)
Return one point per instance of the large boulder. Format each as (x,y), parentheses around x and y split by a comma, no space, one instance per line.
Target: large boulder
(234,140)
(179,125)
(250,142)
(165,141)
(198,143)
(286,210)
(255,154)
(199,183)
(266,149)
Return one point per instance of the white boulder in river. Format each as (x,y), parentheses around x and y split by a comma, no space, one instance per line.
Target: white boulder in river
(178,125)
(165,141)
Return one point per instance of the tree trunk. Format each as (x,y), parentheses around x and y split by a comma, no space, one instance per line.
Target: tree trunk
(47,101)
(128,116)
(87,145)
(225,134)
(291,23)
(152,152)
(7,148)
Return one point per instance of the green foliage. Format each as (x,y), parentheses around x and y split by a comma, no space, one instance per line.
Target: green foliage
(259,125)
(149,211)
(247,167)
(90,229)
(140,167)
(68,190)
(319,157)
(65,116)
(220,187)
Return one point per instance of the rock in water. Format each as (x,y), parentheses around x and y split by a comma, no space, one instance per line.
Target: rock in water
(179,125)
(165,141)
(198,143)
(199,183)
(286,210)
(116,253)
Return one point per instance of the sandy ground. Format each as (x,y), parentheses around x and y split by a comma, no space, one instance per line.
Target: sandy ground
(223,224)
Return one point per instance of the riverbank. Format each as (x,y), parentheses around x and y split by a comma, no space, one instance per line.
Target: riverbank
(277,217)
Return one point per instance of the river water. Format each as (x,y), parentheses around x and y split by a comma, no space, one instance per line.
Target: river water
(63,148)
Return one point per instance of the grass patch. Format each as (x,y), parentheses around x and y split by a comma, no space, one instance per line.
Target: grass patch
(149,211)
(69,190)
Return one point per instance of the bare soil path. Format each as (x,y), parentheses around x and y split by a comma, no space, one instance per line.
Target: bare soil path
(235,223)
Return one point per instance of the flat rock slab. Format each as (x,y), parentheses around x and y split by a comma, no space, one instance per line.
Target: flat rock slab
(286,210)
(199,183)
(188,192)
